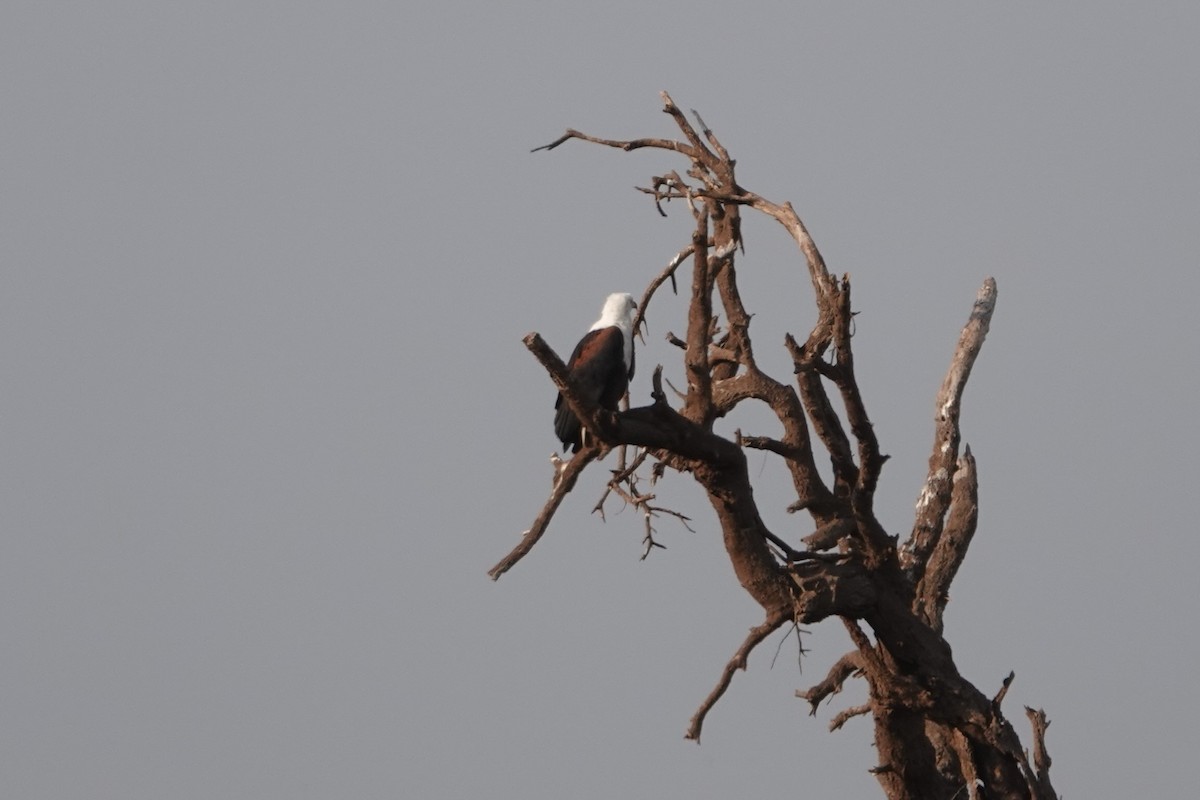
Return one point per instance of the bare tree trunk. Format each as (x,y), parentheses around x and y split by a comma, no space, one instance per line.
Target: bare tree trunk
(936,735)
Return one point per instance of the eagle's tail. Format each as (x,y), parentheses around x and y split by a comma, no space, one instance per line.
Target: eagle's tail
(567,427)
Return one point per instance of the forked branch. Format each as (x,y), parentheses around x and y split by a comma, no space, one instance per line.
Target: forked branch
(1041,757)
(934,500)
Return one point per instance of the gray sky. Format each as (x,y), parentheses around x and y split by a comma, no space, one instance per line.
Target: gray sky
(267,419)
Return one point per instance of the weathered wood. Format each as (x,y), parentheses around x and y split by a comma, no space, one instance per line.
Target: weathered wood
(936,734)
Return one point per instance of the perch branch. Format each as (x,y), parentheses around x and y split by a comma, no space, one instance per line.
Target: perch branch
(658,426)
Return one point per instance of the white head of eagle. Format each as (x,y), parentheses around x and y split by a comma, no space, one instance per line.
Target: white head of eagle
(601,366)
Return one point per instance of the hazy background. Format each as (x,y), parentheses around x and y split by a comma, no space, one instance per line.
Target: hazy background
(266,419)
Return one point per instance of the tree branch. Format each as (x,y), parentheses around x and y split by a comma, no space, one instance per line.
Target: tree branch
(756,635)
(698,407)
(668,272)
(623,473)
(564,482)
(934,500)
(825,421)
(869,458)
(933,590)
(825,589)
(795,447)
(840,718)
(1041,757)
(842,669)
(828,535)
(632,144)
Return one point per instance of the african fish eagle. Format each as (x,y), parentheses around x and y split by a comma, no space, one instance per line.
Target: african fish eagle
(601,366)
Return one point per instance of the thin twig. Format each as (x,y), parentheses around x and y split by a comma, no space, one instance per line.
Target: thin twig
(632,144)
(620,475)
(564,483)
(756,635)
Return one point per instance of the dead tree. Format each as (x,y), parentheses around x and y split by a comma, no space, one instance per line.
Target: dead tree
(938,737)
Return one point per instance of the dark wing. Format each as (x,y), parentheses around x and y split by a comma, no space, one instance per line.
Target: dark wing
(598,367)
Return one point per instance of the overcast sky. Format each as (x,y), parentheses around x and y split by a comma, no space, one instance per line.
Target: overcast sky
(267,420)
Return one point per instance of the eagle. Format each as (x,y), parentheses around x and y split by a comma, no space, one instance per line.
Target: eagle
(601,366)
